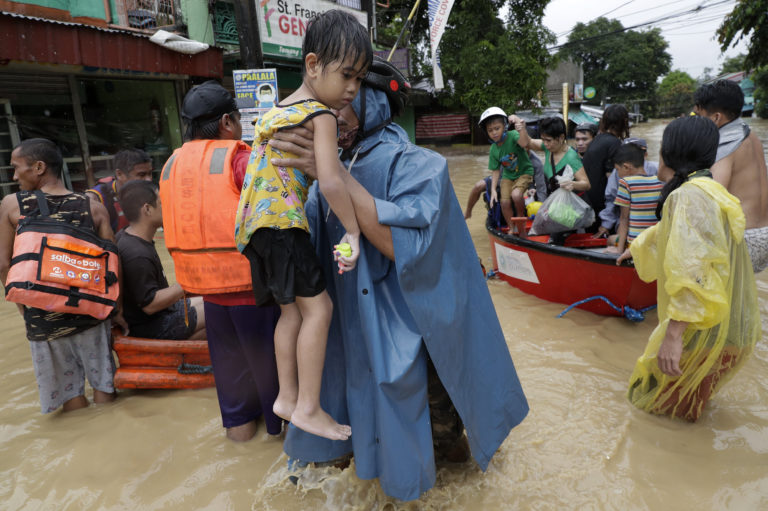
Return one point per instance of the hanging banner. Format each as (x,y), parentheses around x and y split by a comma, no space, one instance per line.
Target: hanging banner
(282,24)
(256,93)
(438,17)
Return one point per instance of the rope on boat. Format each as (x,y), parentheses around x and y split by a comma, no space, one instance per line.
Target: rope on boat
(628,312)
(185,368)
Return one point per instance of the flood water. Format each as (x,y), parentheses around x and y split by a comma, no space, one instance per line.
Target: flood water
(583,446)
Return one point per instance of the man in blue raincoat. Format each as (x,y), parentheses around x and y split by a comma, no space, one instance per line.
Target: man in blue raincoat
(417,295)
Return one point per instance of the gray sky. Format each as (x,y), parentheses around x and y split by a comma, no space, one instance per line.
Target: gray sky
(691,36)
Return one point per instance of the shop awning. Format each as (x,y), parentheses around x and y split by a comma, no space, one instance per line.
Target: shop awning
(38,40)
(579,117)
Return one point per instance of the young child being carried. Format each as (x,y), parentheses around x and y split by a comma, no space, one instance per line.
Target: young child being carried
(637,197)
(271,227)
(508,159)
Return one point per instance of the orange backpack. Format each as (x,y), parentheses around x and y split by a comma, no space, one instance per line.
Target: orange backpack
(61,268)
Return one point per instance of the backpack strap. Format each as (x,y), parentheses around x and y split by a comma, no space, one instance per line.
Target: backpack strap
(42,203)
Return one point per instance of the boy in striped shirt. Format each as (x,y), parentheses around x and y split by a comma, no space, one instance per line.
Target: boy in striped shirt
(636,198)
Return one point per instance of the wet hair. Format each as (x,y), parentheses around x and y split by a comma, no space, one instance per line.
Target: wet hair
(133,196)
(42,149)
(722,96)
(688,144)
(630,153)
(335,35)
(552,126)
(615,120)
(126,159)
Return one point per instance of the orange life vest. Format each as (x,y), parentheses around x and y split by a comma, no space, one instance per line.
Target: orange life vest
(199,200)
(61,268)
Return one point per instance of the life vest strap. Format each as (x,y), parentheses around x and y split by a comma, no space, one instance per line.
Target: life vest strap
(74,294)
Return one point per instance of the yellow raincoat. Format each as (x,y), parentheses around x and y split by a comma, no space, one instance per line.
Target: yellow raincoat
(698,255)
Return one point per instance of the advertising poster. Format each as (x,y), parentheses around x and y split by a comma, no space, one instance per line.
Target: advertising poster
(256,93)
(282,23)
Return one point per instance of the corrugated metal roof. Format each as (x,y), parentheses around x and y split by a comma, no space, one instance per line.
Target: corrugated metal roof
(38,40)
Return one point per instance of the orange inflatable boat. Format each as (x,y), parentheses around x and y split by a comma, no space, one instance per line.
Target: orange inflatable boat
(161,364)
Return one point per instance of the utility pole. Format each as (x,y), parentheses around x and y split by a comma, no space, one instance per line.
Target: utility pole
(248,34)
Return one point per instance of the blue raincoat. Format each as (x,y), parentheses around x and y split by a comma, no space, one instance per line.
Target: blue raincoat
(389,315)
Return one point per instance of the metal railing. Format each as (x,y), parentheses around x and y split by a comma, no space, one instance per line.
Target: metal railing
(146,14)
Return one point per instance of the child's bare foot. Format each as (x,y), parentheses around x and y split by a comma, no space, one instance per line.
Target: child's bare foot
(283,408)
(321,424)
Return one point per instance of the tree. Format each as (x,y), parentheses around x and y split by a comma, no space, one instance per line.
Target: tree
(749,18)
(621,64)
(485,60)
(733,64)
(760,77)
(706,75)
(675,94)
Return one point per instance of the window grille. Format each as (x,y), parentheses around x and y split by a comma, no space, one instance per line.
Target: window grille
(146,14)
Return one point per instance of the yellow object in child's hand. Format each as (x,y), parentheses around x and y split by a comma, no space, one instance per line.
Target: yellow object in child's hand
(344,250)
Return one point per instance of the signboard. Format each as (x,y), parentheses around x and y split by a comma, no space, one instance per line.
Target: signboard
(516,264)
(256,92)
(578,92)
(282,23)
(589,92)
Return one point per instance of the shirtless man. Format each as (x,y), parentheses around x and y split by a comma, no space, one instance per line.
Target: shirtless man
(740,164)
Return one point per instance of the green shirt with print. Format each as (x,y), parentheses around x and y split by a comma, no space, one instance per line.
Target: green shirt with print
(512,159)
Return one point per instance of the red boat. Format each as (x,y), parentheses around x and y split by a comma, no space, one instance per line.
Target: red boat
(578,272)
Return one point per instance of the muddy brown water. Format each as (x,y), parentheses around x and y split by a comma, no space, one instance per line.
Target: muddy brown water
(581,447)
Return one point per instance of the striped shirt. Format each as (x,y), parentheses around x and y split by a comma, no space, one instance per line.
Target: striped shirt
(641,195)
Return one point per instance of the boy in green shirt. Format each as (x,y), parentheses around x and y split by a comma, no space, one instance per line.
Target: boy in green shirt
(507,160)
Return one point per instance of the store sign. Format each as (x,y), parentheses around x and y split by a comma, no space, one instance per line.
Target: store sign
(589,92)
(257,88)
(282,23)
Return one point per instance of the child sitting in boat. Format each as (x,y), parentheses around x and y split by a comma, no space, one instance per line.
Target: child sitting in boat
(271,227)
(152,308)
(508,160)
(709,320)
(637,197)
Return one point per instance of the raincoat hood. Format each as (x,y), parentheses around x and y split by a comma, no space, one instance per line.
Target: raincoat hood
(371,106)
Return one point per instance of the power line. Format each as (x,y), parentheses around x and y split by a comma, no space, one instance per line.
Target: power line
(698,9)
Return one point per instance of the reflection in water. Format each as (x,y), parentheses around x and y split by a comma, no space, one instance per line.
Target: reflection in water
(583,446)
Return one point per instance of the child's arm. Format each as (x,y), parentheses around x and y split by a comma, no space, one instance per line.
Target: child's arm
(332,185)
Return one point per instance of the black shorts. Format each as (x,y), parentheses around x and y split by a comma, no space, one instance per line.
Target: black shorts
(169,323)
(283,266)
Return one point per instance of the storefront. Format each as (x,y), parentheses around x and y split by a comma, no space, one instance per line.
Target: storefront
(93,91)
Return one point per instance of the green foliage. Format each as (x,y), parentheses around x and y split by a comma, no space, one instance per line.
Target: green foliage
(620,64)
(485,60)
(677,82)
(760,77)
(675,95)
(733,64)
(749,19)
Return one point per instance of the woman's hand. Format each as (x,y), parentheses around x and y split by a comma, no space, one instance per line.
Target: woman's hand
(671,349)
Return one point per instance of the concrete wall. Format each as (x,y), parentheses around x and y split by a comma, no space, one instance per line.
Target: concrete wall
(198,19)
(76,8)
(566,71)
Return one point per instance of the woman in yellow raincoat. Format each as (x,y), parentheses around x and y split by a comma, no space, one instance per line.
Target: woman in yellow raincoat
(707,301)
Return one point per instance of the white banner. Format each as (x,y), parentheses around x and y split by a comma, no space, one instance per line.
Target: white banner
(282,24)
(438,17)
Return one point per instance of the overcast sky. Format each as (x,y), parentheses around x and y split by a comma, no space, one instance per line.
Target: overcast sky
(691,35)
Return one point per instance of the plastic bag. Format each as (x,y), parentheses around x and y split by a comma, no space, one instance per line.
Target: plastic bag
(562,211)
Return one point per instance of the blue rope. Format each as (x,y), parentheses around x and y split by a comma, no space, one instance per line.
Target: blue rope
(628,312)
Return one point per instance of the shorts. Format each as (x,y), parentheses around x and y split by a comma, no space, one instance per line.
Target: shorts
(283,266)
(508,185)
(62,365)
(169,323)
(757,244)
